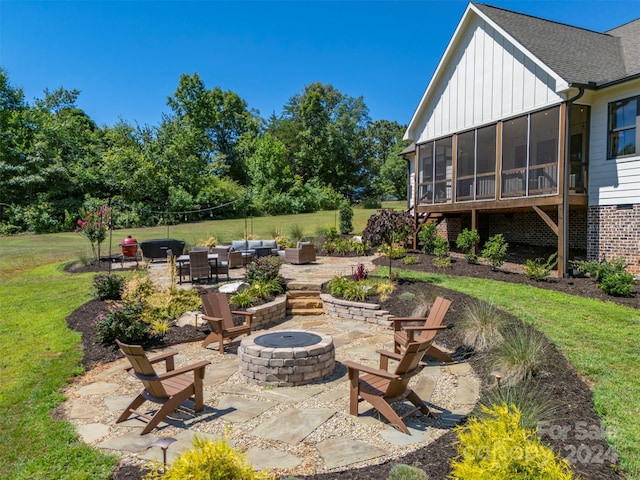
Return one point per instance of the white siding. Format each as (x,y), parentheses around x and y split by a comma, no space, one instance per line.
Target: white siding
(488,79)
(616,181)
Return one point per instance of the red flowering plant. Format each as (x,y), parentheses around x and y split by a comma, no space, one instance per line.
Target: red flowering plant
(94,224)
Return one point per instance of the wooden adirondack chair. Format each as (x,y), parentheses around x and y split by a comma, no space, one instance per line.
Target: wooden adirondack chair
(402,335)
(382,388)
(220,318)
(170,389)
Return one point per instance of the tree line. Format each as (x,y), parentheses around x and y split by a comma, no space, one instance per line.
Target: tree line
(211,156)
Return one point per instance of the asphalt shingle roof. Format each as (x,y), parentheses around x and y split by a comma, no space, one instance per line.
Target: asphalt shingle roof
(576,54)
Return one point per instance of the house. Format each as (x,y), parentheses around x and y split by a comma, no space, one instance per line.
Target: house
(530,128)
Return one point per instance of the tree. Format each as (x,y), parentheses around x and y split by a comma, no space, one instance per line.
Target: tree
(323,131)
(387,227)
(218,119)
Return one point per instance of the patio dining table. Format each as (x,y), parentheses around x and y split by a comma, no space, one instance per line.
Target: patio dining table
(182,259)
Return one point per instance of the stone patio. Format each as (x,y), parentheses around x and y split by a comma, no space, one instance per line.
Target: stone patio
(288,430)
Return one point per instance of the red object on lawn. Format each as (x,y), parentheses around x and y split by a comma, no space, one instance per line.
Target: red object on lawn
(129,246)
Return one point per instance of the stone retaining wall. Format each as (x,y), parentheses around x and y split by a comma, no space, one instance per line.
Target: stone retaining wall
(269,313)
(365,312)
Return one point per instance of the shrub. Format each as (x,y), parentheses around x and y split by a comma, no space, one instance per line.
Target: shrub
(406,472)
(331,233)
(343,246)
(264,269)
(159,327)
(441,251)
(597,269)
(618,284)
(384,288)
(480,324)
(495,250)
(242,299)
(123,322)
(539,269)
(337,285)
(265,288)
(108,286)
(138,289)
(407,296)
(610,274)
(394,251)
(427,236)
(346,218)
(410,260)
(520,355)
(532,401)
(356,291)
(360,273)
(498,447)
(468,241)
(210,459)
(211,241)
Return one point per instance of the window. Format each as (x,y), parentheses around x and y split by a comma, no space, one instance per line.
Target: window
(622,127)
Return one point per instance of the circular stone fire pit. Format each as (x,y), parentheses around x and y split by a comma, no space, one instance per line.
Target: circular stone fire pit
(286,359)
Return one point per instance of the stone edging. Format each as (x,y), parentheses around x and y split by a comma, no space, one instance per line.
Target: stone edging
(364,312)
(269,313)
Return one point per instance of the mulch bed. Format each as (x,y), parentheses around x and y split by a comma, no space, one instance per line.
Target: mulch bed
(590,454)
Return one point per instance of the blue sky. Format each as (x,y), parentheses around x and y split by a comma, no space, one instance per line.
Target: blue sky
(126,57)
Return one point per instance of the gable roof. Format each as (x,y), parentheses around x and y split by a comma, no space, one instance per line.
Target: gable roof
(576,54)
(571,54)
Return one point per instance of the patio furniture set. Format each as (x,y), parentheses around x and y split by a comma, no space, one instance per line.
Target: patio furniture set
(300,357)
(198,266)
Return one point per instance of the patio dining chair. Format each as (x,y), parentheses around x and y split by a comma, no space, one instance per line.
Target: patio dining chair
(199,267)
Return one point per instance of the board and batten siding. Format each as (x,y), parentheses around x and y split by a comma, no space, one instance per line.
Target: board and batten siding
(487,79)
(615,181)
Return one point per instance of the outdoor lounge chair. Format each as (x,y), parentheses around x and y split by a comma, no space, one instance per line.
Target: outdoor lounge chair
(303,253)
(170,389)
(382,388)
(220,318)
(199,267)
(403,335)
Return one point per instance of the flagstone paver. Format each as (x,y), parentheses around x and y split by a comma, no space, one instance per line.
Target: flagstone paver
(97,388)
(81,409)
(129,442)
(467,391)
(298,424)
(261,458)
(340,451)
(239,409)
(92,432)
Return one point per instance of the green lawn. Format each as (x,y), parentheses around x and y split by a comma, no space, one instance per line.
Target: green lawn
(37,296)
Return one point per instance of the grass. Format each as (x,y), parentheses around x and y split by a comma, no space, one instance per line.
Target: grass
(599,338)
(43,355)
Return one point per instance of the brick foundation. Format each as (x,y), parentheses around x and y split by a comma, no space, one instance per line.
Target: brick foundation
(522,227)
(614,231)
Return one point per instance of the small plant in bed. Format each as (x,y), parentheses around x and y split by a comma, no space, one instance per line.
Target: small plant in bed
(539,269)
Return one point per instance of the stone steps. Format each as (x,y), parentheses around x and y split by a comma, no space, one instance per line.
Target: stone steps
(304,301)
